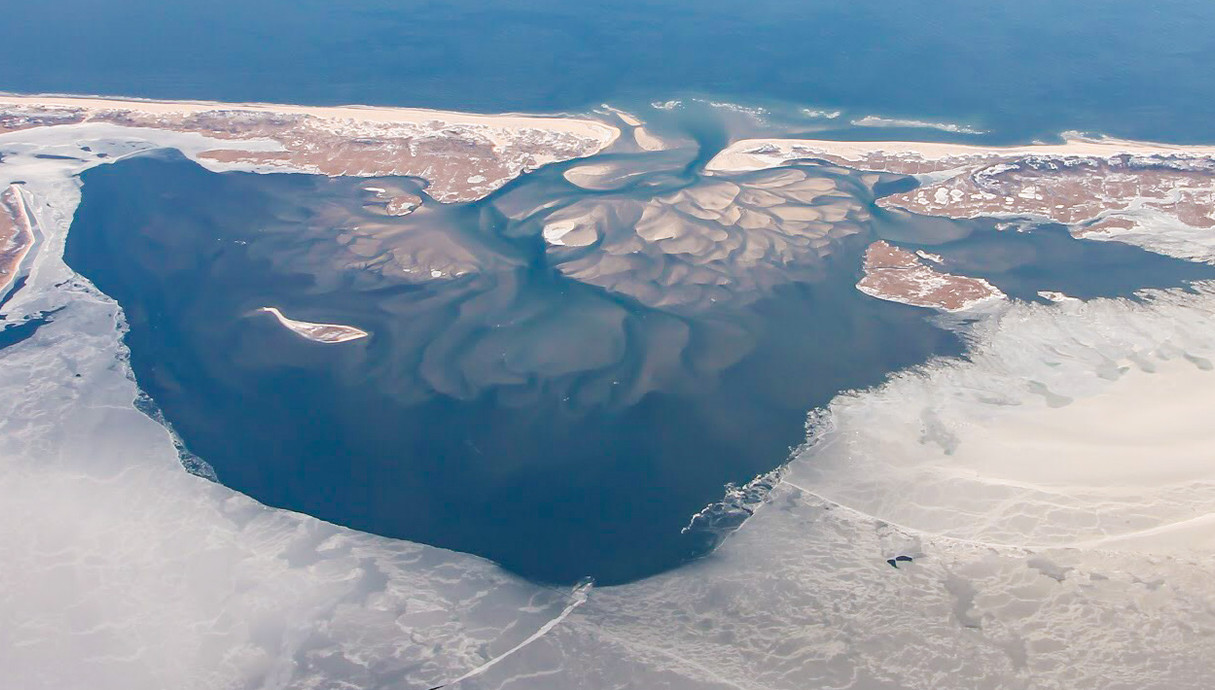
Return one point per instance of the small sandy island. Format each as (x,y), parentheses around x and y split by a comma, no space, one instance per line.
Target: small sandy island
(462,156)
(319,332)
(897,275)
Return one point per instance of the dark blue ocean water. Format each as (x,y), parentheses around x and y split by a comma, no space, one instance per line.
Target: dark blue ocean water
(1023,69)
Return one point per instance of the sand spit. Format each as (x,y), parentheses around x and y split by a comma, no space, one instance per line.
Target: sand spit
(1100,188)
(16,235)
(319,332)
(462,156)
(645,140)
(897,275)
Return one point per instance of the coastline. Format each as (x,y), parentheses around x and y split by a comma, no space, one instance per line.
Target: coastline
(461,156)
(748,155)
(370,113)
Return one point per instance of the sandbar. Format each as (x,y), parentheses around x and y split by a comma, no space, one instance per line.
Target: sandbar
(318,332)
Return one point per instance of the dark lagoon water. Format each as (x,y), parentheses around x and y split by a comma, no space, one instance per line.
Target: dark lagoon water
(629,421)
(559,428)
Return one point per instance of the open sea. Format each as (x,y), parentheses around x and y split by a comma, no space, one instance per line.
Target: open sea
(1020,70)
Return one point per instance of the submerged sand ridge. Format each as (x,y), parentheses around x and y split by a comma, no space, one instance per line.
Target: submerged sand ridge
(462,156)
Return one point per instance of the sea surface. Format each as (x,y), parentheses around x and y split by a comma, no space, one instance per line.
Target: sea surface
(1020,70)
(627,420)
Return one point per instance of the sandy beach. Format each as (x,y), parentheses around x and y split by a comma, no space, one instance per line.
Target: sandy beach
(586,127)
(756,154)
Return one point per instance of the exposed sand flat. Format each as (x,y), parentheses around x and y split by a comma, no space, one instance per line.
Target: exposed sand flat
(648,141)
(396,201)
(644,139)
(718,241)
(463,156)
(319,332)
(602,176)
(1101,188)
(16,235)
